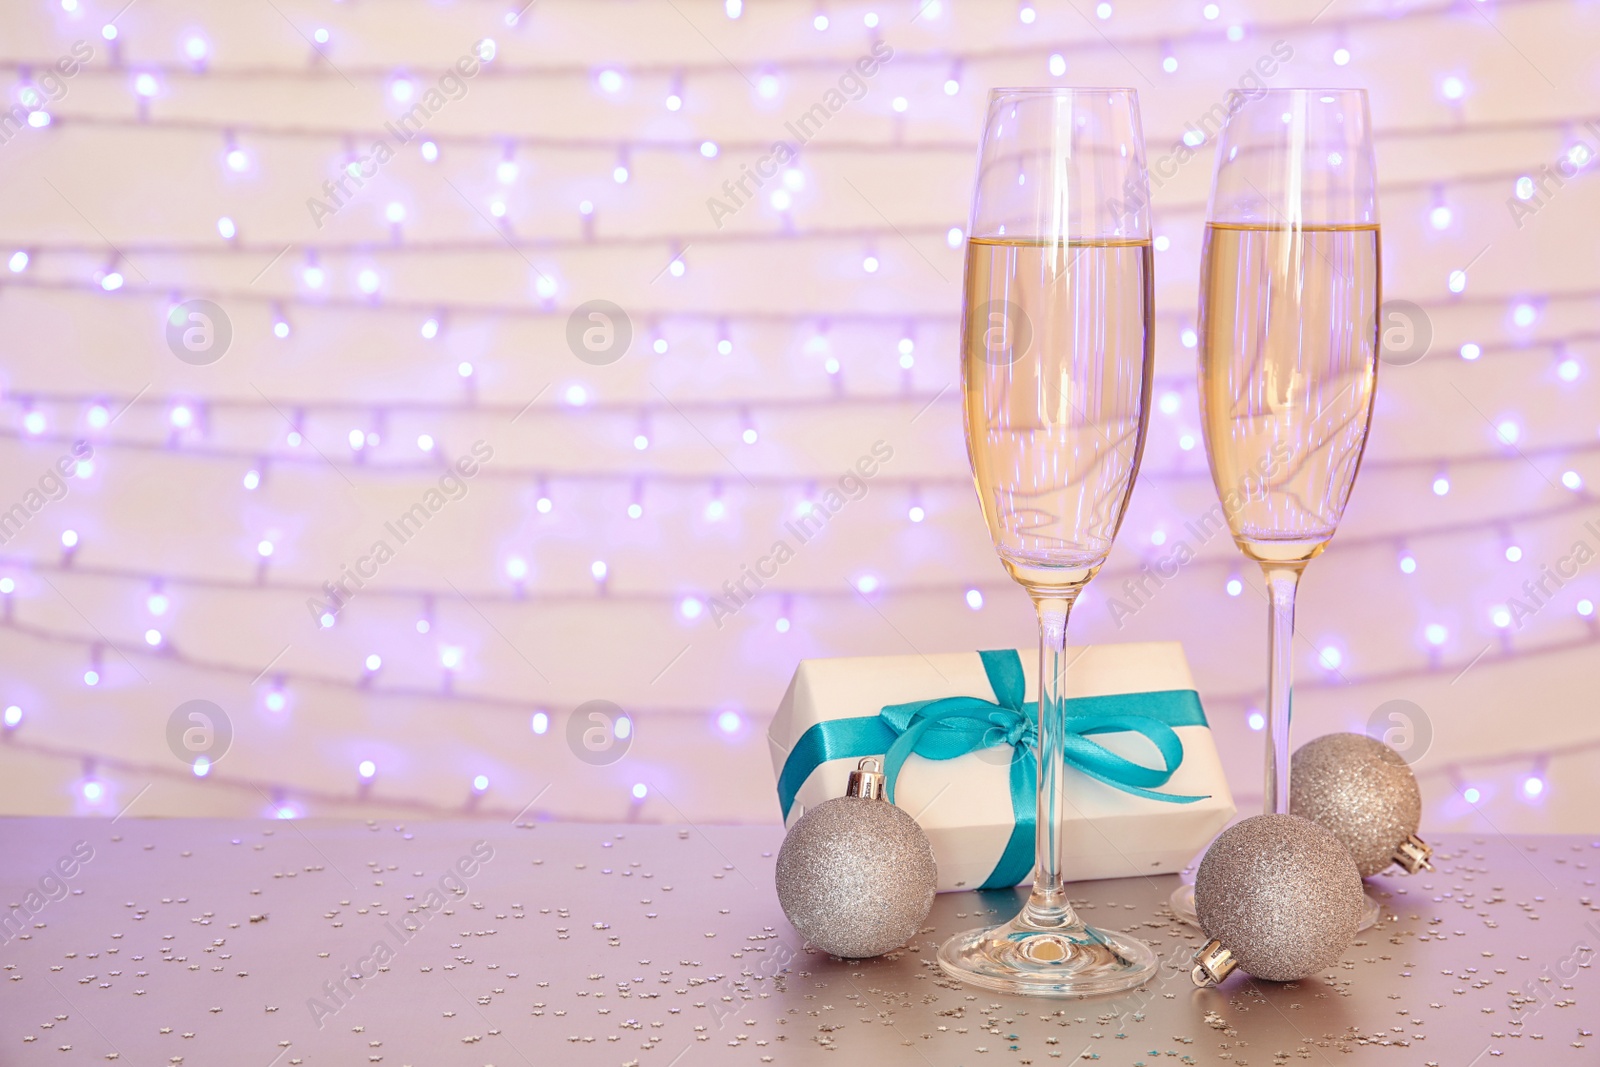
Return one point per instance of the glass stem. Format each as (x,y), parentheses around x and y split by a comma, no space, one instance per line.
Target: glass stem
(1047,905)
(1282,581)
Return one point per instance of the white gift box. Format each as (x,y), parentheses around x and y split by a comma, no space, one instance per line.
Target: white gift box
(965,804)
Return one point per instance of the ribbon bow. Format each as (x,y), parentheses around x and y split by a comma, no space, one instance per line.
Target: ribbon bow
(947,727)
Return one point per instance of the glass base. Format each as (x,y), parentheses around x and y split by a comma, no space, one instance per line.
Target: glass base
(1064,959)
(1182,904)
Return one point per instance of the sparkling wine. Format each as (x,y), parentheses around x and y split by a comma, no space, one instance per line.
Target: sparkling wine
(1057,356)
(1288,366)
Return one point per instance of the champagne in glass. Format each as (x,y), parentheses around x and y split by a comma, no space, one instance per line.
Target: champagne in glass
(1054,444)
(1056,378)
(1287,371)
(1289,294)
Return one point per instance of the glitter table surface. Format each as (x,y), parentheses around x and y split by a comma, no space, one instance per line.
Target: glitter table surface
(255,944)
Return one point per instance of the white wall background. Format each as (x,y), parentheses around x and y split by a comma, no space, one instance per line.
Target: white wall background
(116,184)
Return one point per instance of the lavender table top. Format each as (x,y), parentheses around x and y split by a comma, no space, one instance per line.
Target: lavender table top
(233,942)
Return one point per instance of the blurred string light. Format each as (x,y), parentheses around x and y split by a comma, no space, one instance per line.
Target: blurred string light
(1330,657)
(818,19)
(36,422)
(517,568)
(611,81)
(196,50)
(238,160)
(368,282)
(313,275)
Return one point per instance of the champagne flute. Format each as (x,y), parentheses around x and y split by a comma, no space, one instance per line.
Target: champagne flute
(1056,376)
(1289,293)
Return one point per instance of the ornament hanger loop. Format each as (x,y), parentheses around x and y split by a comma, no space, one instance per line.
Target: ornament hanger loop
(867,780)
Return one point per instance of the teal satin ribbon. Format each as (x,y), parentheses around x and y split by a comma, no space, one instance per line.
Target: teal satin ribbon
(947,727)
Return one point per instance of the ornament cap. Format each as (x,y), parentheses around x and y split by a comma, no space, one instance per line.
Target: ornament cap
(867,780)
(1414,854)
(1212,964)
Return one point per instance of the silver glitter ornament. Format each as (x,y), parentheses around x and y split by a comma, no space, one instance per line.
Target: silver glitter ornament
(1278,896)
(1362,791)
(856,874)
